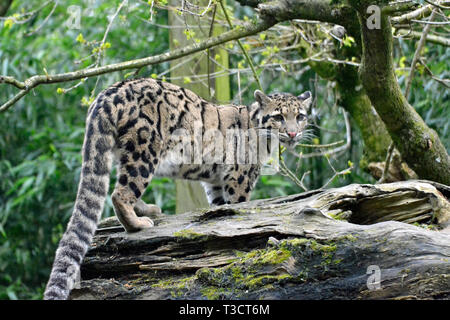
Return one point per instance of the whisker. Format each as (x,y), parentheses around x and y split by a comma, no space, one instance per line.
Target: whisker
(322,128)
(307,138)
(308,134)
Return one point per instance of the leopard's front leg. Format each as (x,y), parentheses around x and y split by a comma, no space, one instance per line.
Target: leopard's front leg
(239,182)
(214,193)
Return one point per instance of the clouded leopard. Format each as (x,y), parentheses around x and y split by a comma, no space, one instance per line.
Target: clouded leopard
(138,124)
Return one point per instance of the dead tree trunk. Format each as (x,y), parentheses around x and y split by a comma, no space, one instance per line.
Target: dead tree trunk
(323,244)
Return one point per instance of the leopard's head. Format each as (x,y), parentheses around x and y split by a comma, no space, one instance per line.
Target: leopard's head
(286,113)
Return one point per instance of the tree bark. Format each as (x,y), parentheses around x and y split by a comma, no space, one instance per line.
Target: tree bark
(353,98)
(322,244)
(355,101)
(419,145)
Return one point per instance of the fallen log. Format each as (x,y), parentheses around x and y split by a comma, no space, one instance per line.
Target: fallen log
(340,243)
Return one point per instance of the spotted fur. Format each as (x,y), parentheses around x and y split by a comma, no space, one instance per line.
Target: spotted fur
(135,122)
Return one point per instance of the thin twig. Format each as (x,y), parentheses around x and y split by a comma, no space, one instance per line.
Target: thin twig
(420,12)
(410,34)
(416,57)
(105,35)
(99,53)
(435,23)
(244,31)
(336,151)
(336,173)
(329,145)
(249,61)
(183,10)
(387,163)
(239,87)
(436,4)
(151,10)
(43,22)
(284,170)
(444,82)
(208,51)
(30,14)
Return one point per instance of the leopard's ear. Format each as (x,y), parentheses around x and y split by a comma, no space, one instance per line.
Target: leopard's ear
(306,99)
(261,98)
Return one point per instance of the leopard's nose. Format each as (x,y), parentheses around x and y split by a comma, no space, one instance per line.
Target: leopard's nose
(292,134)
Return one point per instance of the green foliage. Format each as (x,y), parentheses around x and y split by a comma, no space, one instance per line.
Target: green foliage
(428,96)
(42,136)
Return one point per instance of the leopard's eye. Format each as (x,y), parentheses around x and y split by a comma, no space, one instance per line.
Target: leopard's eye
(278,118)
(301,117)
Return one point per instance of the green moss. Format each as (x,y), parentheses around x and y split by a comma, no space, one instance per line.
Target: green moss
(324,252)
(173,283)
(261,281)
(265,256)
(177,287)
(296,242)
(336,216)
(275,256)
(236,272)
(203,273)
(189,234)
(348,237)
(426,226)
(212,293)
(251,271)
(324,248)
(300,245)
(341,216)
(258,269)
(250,255)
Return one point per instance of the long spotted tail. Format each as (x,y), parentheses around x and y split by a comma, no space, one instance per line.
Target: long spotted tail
(92,191)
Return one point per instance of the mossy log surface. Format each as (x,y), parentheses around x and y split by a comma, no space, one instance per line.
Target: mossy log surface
(315,245)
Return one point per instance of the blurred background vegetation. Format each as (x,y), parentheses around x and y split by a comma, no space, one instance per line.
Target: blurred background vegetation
(41,136)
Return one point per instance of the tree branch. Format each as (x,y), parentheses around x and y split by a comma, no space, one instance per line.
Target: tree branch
(244,52)
(270,13)
(418,13)
(419,146)
(245,251)
(387,163)
(430,37)
(237,33)
(417,54)
(320,10)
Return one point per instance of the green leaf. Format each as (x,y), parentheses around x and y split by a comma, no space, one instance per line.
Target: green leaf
(348,41)
(187,80)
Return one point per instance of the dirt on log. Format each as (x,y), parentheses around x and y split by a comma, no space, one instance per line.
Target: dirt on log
(325,244)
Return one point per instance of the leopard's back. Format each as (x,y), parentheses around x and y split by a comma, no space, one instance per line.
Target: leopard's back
(145,124)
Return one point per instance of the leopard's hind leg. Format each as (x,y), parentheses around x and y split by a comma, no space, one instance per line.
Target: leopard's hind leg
(134,174)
